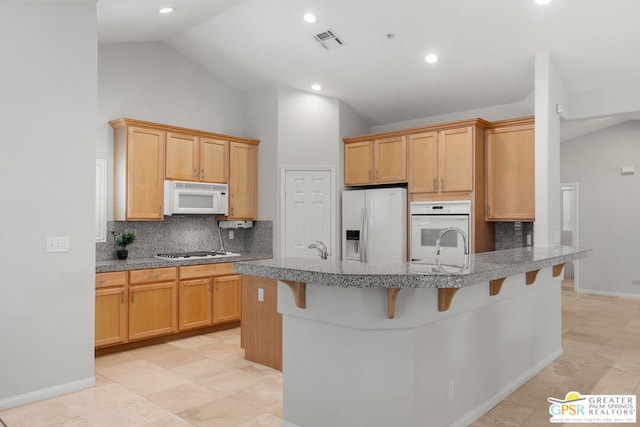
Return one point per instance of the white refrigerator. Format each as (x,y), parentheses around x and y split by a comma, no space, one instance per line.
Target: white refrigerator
(374,225)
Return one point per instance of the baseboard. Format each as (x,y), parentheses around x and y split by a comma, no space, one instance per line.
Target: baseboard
(482,409)
(46,393)
(607,293)
(286,423)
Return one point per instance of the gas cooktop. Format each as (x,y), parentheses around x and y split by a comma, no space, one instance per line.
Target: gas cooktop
(177,256)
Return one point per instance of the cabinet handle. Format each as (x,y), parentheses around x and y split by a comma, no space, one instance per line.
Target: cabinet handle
(160,210)
(195,172)
(122,297)
(217,286)
(202,174)
(209,286)
(100,281)
(376,175)
(153,275)
(442,183)
(369,175)
(488,211)
(434,184)
(133,295)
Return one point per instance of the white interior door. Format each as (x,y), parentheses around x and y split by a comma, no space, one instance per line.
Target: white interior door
(307,212)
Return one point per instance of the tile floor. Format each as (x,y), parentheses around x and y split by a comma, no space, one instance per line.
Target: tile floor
(204,380)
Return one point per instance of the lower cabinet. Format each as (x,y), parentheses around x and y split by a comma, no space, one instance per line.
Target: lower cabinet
(195,304)
(139,304)
(152,310)
(227,299)
(110,309)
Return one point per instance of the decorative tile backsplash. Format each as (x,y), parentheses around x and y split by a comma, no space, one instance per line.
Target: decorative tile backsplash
(510,235)
(186,233)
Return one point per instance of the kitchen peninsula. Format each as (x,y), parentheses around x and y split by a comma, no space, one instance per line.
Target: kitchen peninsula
(411,344)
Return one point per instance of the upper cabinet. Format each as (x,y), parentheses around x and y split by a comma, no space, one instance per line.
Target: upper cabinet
(511,170)
(193,158)
(243,181)
(138,192)
(376,161)
(147,153)
(442,161)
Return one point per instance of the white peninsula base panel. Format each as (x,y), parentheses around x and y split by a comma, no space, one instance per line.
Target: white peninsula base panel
(345,363)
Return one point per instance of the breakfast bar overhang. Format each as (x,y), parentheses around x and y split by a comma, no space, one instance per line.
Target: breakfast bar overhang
(406,344)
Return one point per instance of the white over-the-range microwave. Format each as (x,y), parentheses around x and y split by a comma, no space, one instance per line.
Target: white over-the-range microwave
(184,197)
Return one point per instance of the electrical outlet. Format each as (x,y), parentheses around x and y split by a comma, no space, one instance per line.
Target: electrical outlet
(231,235)
(451,389)
(528,239)
(57,244)
(260,294)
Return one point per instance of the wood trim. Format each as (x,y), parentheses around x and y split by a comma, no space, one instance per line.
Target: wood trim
(299,290)
(430,128)
(392,294)
(529,120)
(531,276)
(557,269)
(445,297)
(495,286)
(124,121)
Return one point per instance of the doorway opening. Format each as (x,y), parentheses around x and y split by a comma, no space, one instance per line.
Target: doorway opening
(569,237)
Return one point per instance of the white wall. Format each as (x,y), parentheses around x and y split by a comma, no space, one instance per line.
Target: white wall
(492,113)
(549,92)
(608,206)
(153,82)
(48,115)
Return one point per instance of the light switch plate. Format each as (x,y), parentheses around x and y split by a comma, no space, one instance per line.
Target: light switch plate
(57,244)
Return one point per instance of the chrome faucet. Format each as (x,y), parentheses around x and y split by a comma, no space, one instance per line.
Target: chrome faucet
(321,248)
(464,240)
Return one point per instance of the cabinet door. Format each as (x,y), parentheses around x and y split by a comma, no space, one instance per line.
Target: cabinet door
(243,181)
(214,160)
(511,173)
(145,173)
(195,304)
(111,315)
(152,310)
(390,159)
(181,157)
(456,159)
(358,162)
(226,299)
(423,163)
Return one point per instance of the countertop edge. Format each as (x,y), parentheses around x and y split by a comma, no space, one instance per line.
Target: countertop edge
(144,263)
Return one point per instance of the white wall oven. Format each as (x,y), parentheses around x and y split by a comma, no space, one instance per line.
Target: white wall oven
(428,219)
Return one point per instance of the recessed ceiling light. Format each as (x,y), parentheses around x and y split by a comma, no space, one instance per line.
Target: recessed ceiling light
(166,10)
(432,58)
(542,2)
(316,87)
(310,18)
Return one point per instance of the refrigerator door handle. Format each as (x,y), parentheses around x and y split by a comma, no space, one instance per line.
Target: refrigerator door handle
(363,243)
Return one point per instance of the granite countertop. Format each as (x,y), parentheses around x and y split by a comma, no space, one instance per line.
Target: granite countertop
(482,267)
(142,263)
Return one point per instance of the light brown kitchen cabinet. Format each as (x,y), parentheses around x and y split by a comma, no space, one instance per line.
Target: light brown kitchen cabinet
(195,304)
(153,308)
(243,181)
(138,192)
(227,299)
(378,161)
(197,298)
(511,170)
(423,162)
(182,157)
(193,158)
(110,309)
(442,162)
(214,160)
(358,163)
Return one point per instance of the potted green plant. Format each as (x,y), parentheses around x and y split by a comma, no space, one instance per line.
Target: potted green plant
(124,239)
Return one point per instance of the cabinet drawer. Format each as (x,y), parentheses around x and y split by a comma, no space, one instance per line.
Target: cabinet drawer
(206,270)
(152,275)
(114,278)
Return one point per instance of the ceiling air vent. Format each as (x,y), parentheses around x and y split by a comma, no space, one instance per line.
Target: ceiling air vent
(329,40)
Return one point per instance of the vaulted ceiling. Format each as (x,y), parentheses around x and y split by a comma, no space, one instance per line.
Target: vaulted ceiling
(486,48)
